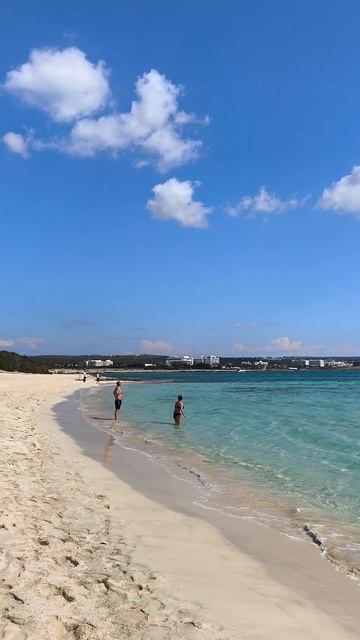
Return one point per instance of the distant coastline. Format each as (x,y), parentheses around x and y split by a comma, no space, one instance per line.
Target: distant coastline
(108,372)
(11,361)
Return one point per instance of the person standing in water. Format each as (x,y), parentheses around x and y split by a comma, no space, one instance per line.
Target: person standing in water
(178,410)
(118,395)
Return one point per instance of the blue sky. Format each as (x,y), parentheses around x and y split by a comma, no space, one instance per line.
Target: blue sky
(180,177)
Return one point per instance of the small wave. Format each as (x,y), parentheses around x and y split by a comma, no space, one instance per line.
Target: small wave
(314,536)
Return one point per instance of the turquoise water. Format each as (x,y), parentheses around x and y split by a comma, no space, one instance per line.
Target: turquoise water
(296,434)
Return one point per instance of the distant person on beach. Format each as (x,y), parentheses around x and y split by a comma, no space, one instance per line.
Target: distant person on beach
(84,377)
(178,410)
(98,377)
(118,398)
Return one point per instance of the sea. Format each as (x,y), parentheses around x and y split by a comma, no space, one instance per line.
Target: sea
(282,448)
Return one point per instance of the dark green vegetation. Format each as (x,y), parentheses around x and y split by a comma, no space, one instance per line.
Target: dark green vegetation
(10,361)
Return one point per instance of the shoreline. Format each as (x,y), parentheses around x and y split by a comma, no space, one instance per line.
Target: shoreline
(95,558)
(336,539)
(293,566)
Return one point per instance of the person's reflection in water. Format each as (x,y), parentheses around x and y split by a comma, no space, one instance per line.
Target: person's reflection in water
(108,450)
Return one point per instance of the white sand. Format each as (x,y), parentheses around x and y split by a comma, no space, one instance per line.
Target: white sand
(84,556)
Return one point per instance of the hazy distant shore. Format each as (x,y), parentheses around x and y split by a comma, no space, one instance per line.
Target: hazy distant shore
(104,373)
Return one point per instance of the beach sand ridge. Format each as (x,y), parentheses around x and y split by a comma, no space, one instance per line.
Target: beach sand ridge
(66,570)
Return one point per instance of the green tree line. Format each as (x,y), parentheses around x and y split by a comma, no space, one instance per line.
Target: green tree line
(10,361)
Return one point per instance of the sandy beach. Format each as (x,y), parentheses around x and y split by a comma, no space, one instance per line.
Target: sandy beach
(85,555)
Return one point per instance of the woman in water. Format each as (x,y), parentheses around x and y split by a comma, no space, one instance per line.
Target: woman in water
(178,410)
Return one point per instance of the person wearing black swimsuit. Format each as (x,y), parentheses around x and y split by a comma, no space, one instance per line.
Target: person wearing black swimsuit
(178,410)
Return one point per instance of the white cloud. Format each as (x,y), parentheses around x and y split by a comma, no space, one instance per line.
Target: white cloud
(284,345)
(172,150)
(263,203)
(71,89)
(24,341)
(29,342)
(89,136)
(157,347)
(16,143)
(6,342)
(173,200)
(153,125)
(241,349)
(156,104)
(344,195)
(63,83)
(252,325)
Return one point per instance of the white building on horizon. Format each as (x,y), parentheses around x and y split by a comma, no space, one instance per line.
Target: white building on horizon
(98,363)
(212,361)
(174,361)
(314,362)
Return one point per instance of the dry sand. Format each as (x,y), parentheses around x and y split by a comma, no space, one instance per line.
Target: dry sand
(84,556)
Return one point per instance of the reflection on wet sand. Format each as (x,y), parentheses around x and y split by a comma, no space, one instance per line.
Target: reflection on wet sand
(108,450)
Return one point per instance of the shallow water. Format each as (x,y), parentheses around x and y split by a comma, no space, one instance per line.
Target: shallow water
(283,447)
